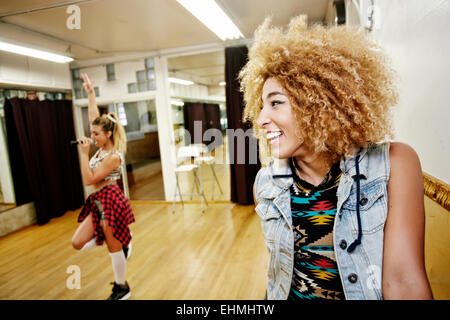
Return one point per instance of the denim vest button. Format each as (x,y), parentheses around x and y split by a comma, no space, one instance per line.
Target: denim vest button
(343,244)
(363,201)
(353,278)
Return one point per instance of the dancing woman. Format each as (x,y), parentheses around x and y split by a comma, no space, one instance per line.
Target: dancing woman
(107,212)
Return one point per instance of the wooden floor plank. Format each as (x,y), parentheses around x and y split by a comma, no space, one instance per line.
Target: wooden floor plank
(218,254)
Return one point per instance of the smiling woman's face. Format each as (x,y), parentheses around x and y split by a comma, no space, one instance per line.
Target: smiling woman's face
(278,122)
(99,136)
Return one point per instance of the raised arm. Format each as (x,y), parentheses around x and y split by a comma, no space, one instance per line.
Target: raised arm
(88,86)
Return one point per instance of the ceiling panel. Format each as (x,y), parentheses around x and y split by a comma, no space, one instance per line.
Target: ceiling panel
(116,27)
(10,7)
(206,68)
(248,14)
(112,27)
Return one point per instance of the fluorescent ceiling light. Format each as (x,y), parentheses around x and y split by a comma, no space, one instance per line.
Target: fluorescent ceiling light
(222,83)
(180,81)
(39,54)
(177,103)
(212,16)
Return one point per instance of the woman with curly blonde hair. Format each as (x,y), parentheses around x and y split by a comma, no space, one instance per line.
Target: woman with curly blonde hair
(344,219)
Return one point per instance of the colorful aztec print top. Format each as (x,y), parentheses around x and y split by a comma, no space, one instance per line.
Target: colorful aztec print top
(315,274)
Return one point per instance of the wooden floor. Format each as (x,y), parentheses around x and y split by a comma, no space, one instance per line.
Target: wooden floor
(152,188)
(149,189)
(219,254)
(209,185)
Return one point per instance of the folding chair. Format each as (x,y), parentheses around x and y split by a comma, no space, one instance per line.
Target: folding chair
(206,158)
(187,153)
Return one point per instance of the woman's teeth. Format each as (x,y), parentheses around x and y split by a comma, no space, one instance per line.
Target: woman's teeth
(272,135)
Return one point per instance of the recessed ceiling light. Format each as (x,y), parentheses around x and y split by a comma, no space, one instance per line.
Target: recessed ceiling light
(177,102)
(212,16)
(39,54)
(181,81)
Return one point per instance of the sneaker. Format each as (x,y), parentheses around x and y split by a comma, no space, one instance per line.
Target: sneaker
(120,291)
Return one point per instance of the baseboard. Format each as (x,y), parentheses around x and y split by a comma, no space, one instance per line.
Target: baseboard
(17,218)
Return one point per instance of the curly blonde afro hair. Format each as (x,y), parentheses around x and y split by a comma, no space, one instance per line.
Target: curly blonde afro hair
(339,83)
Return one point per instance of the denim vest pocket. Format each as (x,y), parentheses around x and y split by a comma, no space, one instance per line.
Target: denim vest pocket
(373,207)
(270,216)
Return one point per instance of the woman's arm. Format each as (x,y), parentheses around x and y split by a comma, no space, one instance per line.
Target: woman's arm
(88,86)
(107,165)
(404,275)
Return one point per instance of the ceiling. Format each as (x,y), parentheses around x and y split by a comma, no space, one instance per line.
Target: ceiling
(118,27)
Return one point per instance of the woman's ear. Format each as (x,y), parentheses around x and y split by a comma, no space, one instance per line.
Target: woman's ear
(109,134)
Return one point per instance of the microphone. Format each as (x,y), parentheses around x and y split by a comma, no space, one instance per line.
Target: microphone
(72,142)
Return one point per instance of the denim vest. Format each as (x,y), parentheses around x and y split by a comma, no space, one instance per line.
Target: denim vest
(360,270)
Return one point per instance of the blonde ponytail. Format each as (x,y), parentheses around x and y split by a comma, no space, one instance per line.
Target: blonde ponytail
(119,137)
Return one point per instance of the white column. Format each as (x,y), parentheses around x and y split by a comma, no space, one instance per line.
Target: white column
(165,126)
(5,172)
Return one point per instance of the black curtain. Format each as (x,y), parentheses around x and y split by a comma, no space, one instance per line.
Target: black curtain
(208,114)
(44,165)
(212,112)
(242,175)
(194,111)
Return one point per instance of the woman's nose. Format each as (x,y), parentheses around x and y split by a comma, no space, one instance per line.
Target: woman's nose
(263,118)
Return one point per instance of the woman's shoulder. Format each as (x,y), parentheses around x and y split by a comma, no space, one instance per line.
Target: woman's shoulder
(404,159)
(402,151)
(117,153)
(113,156)
(395,149)
(394,156)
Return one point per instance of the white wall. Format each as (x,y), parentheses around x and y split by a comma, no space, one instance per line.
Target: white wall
(6,181)
(195,91)
(415,34)
(25,72)
(125,72)
(22,71)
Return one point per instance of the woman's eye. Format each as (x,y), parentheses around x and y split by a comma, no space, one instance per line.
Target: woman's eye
(275,102)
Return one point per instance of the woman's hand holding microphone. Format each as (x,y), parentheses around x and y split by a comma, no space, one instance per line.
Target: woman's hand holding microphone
(85,144)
